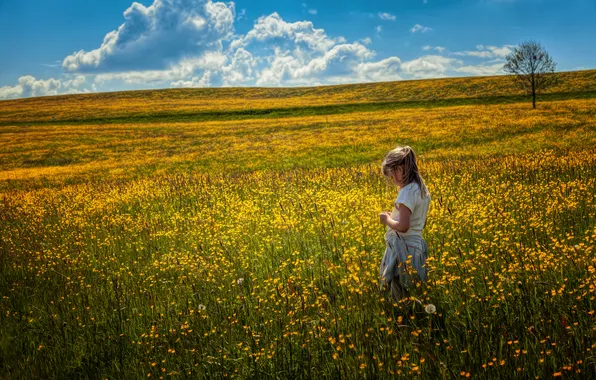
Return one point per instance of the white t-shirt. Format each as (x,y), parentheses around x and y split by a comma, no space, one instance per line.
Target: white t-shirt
(409,196)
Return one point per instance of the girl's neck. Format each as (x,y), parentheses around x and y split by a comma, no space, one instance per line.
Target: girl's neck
(401,186)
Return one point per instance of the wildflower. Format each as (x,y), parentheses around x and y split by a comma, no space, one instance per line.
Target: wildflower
(430,308)
(201,307)
(240,281)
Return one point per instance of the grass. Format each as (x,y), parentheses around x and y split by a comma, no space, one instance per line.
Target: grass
(233,102)
(249,248)
(304,111)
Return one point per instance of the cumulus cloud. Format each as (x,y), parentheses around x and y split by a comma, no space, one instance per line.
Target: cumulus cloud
(386,16)
(338,61)
(301,54)
(384,70)
(419,28)
(154,37)
(279,71)
(273,53)
(341,61)
(203,80)
(185,69)
(29,86)
(273,30)
(240,70)
(429,66)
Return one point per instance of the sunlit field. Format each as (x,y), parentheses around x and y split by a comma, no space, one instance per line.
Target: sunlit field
(232,234)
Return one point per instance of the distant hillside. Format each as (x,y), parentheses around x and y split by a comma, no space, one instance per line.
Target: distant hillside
(225,102)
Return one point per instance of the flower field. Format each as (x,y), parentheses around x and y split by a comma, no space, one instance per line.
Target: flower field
(249,247)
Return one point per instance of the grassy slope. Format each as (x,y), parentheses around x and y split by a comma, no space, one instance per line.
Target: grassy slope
(131,134)
(33,155)
(105,279)
(233,103)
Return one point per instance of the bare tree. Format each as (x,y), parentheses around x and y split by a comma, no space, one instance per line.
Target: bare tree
(533,67)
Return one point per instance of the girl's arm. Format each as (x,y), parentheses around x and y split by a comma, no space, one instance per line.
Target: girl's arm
(401,225)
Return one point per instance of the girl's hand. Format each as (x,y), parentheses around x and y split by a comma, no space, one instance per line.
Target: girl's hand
(384,217)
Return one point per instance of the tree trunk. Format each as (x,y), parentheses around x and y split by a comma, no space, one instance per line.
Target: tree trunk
(533,93)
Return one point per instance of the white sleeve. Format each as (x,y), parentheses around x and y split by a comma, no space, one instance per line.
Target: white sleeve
(406,198)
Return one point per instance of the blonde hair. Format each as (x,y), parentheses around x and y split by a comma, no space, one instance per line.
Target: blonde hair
(404,156)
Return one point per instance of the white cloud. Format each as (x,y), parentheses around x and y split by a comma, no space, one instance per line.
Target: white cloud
(379,29)
(29,86)
(341,61)
(477,54)
(502,51)
(11,92)
(273,53)
(495,69)
(429,66)
(53,65)
(419,28)
(309,10)
(154,37)
(240,70)
(241,15)
(273,30)
(385,70)
(183,70)
(279,71)
(439,49)
(199,81)
(386,16)
(436,66)
(487,52)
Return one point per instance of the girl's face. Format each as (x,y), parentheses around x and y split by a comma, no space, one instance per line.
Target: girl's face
(397,176)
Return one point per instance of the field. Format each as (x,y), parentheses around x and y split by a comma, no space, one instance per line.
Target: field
(234,233)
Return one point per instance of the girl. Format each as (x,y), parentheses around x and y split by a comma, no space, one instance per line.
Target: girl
(404,243)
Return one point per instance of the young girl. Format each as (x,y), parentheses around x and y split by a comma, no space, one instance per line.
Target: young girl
(404,243)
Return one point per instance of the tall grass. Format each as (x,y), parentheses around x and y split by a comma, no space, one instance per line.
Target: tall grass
(275,274)
(250,248)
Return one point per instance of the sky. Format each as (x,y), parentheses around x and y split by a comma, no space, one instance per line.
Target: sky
(52,47)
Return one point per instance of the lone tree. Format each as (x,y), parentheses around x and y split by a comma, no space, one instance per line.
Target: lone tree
(533,67)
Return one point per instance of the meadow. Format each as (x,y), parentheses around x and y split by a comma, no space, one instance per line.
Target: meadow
(234,233)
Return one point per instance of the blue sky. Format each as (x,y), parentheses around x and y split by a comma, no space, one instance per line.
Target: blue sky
(68,46)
